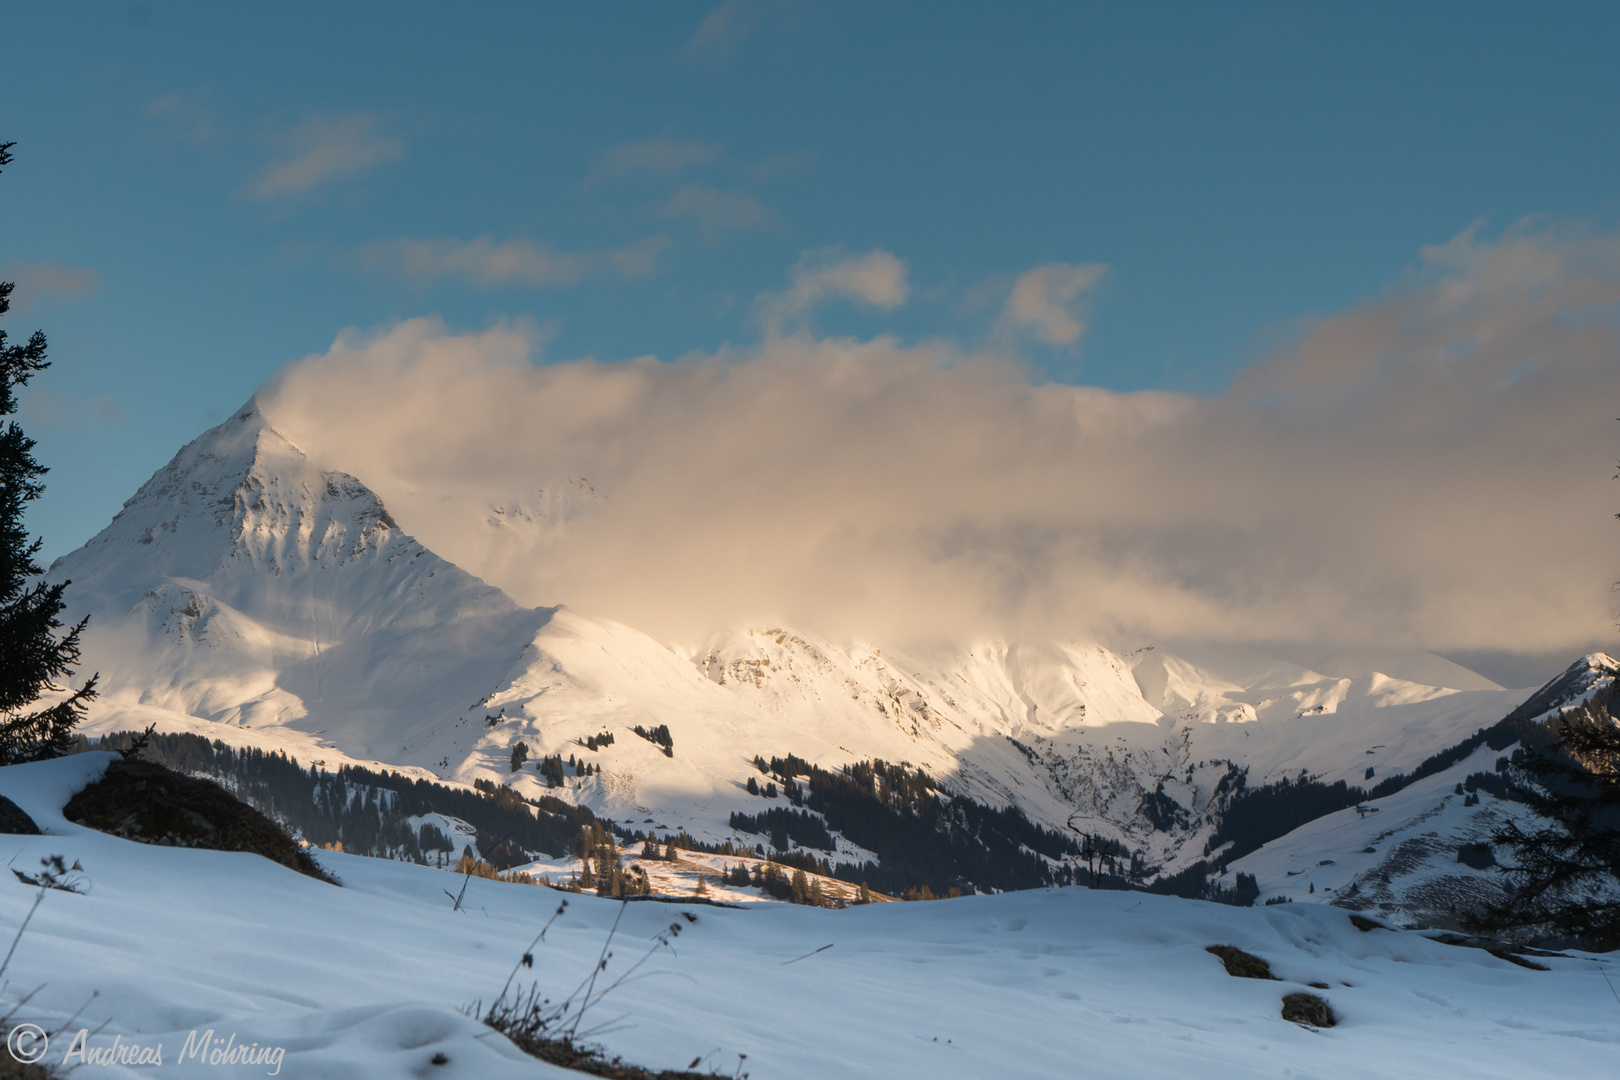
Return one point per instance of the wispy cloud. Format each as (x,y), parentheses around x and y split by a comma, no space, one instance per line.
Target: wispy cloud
(640,258)
(877,278)
(185,116)
(786,163)
(1044,301)
(483,261)
(37,280)
(664,157)
(722,32)
(661,156)
(39,406)
(321,149)
(720,200)
(717,212)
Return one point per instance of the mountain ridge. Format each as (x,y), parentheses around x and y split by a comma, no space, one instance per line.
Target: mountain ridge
(244,588)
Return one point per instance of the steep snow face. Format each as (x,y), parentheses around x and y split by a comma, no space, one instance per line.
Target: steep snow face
(582,677)
(961,715)
(901,701)
(242,509)
(245,585)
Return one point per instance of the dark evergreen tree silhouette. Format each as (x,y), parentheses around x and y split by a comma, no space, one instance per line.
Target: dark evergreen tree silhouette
(658,736)
(1565,869)
(34,660)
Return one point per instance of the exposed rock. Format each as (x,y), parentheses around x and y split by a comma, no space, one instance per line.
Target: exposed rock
(13,820)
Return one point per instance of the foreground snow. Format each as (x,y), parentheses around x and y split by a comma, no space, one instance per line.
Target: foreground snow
(369,980)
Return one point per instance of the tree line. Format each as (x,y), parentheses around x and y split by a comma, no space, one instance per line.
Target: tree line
(367,811)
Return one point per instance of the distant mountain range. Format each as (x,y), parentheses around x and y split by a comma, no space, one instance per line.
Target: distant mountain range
(247,594)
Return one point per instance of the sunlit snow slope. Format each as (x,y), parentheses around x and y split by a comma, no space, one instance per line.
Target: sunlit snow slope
(245,586)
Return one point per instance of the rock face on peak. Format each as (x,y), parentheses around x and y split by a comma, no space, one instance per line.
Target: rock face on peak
(237,504)
(243,584)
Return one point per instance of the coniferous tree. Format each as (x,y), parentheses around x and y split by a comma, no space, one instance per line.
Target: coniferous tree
(34,661)
(1566,869)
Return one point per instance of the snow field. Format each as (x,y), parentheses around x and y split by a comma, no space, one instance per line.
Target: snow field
(369,980)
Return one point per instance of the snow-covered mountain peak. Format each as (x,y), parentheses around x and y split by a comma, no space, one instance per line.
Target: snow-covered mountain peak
(244,583)
(1575,686)
(239,498)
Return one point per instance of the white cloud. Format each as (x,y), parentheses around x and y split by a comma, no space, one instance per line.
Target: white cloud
(1043,301)
(717,212)
(485,262)
(1431,469)
(322,149)
(877,278)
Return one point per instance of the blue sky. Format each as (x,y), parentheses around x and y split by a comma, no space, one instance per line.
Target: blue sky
(205,192)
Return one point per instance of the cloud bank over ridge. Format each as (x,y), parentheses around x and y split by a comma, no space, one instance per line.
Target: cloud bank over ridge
(1430,469)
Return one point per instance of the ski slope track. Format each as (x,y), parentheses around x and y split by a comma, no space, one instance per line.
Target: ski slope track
(248,594)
